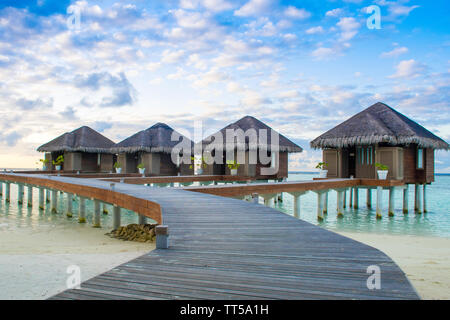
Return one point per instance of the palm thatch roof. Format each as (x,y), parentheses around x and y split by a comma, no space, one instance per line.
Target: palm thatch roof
(249,123)
(378,124)
(157,138)
(83,139)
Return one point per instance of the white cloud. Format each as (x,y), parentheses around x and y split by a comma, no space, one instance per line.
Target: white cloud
(253,7)
(295,13)
(408,69)
(315,30)
(169,56)
(323,53)
(349,28)
(334,13)
(395,52)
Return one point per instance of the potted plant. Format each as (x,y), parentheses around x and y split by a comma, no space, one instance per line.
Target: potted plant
(202,165)
(141,168)
(322,171)
(382,171)
(44,163)
(57,163)
(233,166)
(118,167)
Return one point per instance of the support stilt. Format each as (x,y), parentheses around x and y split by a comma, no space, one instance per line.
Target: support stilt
(340,203)
(355,198)
(54,208)
(104,208)
(419,200)
(297,196)
(255,198)
(416,197)
(1,188)
(116,217)
(345,199)
(268,197)
(369,198)
(30,196)
(7,192)
(82,210)
(47,195)
(425,198)
(405,198)
(320,203)
(20,193)
(69,212)
(325,202)
(379,202)
(142,219)
(391,202)
(96,222)
(350,204)
(41,199)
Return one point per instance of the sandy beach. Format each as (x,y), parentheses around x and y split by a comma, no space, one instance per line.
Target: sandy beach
(33,263)
(425,260)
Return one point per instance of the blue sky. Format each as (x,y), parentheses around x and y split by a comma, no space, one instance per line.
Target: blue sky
(300,66)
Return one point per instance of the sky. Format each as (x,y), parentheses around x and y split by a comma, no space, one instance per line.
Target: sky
(301,67)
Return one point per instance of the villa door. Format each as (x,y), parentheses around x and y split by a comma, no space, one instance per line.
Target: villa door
(365,162)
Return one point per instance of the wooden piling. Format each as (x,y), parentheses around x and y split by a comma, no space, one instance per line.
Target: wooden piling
(20,193)
(41,199)
(391,202)
(340,203)
(69,212)
(416,197)
(325,202)
(419,200)
(82,210)
(116,217)
(30,196)
(142,219)
(369,198)
(1,188)
(54,207)
(379,202)
(96,222)
(320,203)
(405,198)
(425,198)
(355,198)
(7,192)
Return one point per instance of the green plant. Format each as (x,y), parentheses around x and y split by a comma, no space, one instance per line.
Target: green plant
(141,166)
(117,165)
(321,165)
(203,164)
(381,166)
(58,160)
(232,164)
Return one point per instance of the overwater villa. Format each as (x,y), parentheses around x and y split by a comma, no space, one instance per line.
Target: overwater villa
(152,149)
(380,134)
(83,149)
(248,124)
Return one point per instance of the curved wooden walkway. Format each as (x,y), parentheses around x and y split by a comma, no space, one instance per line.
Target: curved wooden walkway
(222,248)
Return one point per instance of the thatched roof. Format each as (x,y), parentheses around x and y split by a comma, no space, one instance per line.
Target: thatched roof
(83,139)
(247,123)
(378,124)
(154,139)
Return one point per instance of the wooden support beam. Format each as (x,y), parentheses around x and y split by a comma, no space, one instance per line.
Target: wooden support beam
(419,199)
(405,198)
(425,198)
(41,199)
(379,202)
(96,222)
(20,193)
(69,212)
(30,196)
(340,203)
(7,192)
(350,204)
(82,210)
(54,207)
(142,219)
(355,198)
(391,202)
(369,198)
(116,217)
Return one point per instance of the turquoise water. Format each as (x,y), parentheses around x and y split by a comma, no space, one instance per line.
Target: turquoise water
(436,222)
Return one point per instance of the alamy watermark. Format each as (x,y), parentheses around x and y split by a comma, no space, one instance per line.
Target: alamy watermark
(374,280)
(74,279)
(374,21)
(74,19)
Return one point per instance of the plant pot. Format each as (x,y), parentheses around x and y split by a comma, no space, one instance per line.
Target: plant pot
(323,173)
(233,172)
(58,168)
(382,174)
(44,168)
(118,170)
(141,170)
(200,171)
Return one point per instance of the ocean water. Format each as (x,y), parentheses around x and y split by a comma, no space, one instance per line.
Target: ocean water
(436,222)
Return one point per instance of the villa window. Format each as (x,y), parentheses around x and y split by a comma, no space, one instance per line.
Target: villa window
(420,158)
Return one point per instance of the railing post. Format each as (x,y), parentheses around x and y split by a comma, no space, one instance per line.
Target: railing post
(405,198)
(379,202)
(96,222)
(30,196)
(116,217)
(162,237)
(82,210)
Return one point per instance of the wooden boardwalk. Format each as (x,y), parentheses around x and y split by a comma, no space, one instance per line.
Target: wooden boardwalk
(222,248)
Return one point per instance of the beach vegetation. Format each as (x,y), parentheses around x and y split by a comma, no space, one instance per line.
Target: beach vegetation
(381,166)
(321,165)
(141,166)
(58,161)
(117,165)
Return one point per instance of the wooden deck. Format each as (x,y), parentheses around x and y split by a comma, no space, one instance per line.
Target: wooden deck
(222,248)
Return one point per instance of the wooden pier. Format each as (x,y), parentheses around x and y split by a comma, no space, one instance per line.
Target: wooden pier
(224,248)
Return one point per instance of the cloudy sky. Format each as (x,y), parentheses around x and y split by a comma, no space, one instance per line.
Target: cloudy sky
(300,66)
